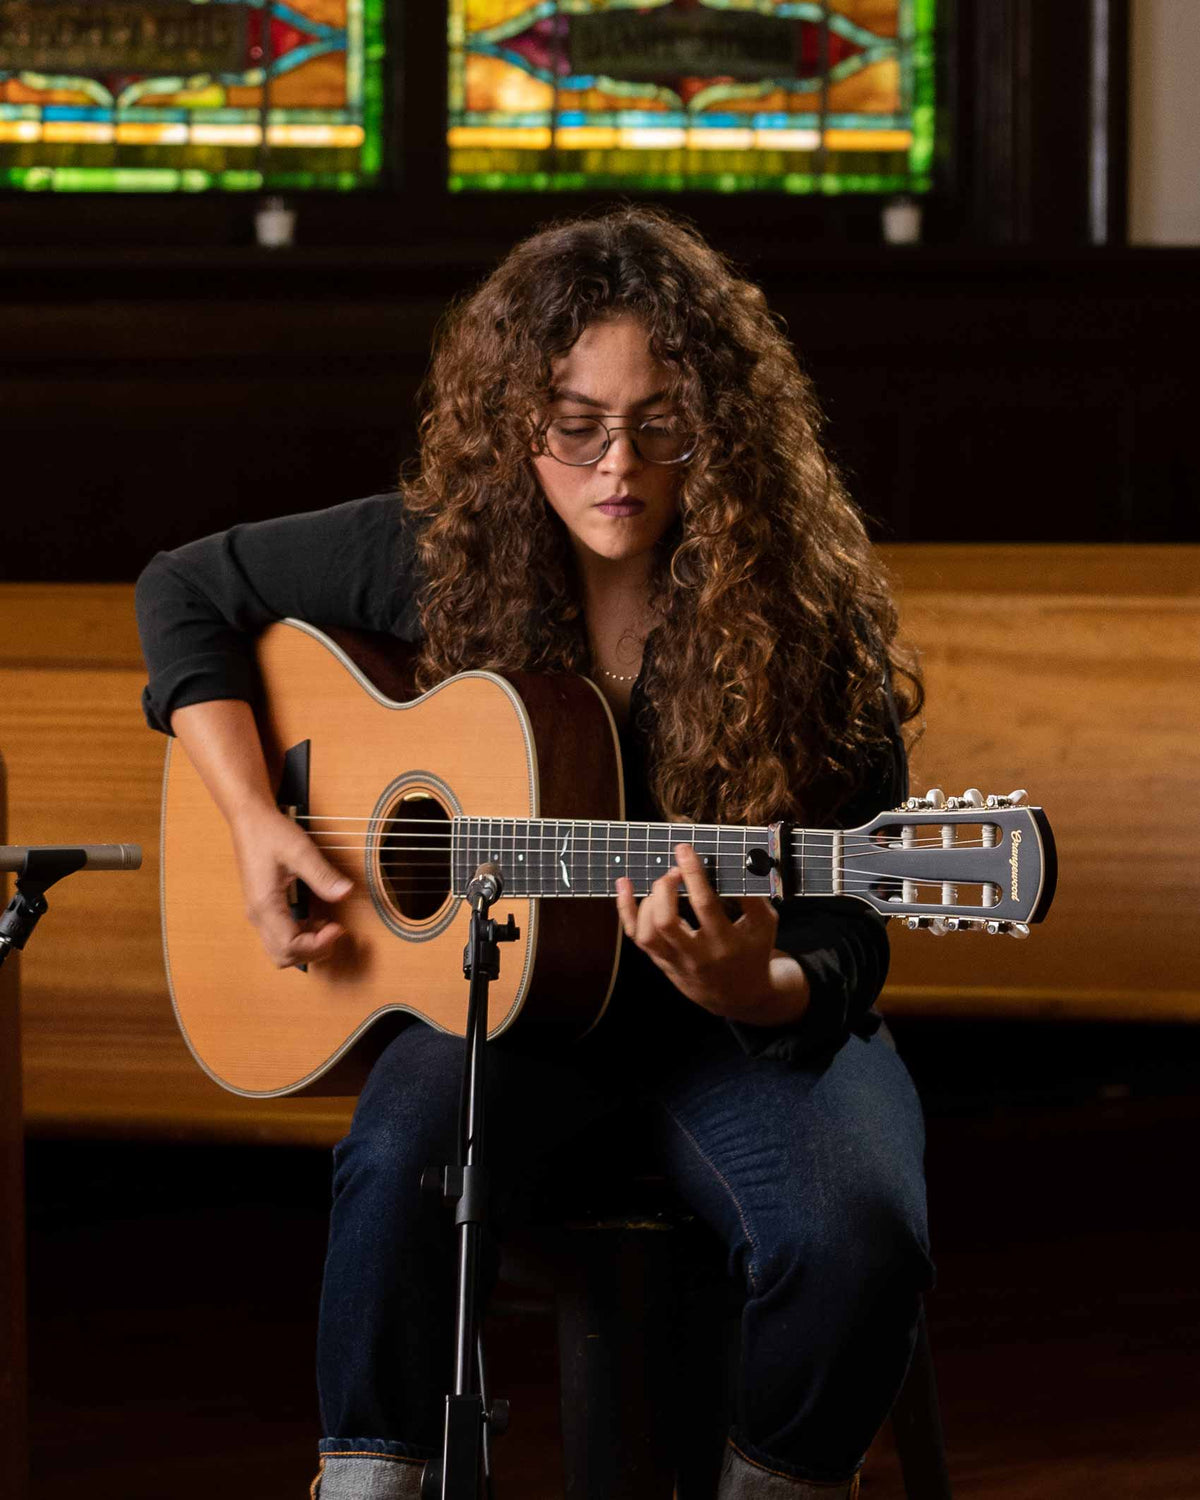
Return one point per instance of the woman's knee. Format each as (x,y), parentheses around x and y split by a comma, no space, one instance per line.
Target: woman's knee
(407,1115)
(867,1240)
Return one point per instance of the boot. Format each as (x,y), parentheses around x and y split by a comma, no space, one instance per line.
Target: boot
(741,1479)
(367,1476)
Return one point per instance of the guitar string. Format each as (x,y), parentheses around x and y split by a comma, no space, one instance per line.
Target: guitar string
(474,821)
(551,837)
(548,830)
(603,894)
(522,895)
(549,850)
(546,845)
(430,881)
(552,846)
(590,822)
(634,863)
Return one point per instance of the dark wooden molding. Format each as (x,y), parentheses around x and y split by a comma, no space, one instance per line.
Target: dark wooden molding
(1110,118)
(981,395)
(1041,93)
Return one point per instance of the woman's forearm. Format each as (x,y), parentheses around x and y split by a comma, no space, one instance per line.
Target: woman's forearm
(222,742)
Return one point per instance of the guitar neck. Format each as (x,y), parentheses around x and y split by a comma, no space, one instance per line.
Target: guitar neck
(548,857)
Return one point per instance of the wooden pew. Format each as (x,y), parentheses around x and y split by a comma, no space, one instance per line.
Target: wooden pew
(102,1053)
(1071,671)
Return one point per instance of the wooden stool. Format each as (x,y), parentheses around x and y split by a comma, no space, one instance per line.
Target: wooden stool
(647,1331)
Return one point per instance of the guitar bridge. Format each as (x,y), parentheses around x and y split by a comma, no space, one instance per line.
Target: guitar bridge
(291,797)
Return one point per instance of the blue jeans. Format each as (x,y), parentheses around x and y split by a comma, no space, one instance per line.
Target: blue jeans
(810,1175)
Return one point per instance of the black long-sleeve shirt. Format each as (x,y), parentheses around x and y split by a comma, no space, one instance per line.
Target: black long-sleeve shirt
(354,566)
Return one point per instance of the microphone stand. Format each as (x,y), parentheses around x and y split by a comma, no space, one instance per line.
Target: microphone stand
(470,1419)
(37,872)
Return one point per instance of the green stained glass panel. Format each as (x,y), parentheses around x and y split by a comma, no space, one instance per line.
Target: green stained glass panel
(679,95)
(190,95)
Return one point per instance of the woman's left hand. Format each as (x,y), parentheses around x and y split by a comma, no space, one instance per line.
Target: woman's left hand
(730,968)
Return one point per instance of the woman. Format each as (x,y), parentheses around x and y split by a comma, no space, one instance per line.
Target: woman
(620,475)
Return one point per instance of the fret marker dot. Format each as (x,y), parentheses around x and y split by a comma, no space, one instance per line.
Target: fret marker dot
(658,859)
(616,859)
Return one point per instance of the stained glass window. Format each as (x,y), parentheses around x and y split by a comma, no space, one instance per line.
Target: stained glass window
(185,95)
(726,95)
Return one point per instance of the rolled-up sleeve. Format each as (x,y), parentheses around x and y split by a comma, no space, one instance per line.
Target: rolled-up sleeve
(200,607)
(840,942)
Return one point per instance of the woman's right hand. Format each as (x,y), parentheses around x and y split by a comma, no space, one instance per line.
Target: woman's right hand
(272,851)
(221,738)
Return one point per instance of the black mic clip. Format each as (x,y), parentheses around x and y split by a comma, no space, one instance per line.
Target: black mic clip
(38,870)
(483,891)
(486,886)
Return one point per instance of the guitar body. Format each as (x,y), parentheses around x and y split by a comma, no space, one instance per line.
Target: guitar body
(477,745)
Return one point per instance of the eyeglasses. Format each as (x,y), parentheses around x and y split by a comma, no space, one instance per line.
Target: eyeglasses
(580,441)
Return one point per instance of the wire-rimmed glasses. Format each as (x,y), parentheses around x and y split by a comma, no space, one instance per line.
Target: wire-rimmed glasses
(580,441)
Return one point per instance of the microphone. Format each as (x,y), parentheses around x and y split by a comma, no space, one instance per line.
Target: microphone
(487,884)
(96,856)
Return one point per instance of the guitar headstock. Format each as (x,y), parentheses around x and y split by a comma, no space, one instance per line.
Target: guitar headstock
(955,864)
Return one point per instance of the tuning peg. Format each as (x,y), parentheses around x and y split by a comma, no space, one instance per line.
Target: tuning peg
(933,799)
(1012,929)
(939,926)
(1013,799)
(972,797)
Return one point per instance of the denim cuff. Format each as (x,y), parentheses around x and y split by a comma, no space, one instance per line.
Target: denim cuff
(790,1475)
(365,1475)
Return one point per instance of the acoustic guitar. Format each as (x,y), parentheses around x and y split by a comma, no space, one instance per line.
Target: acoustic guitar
(408,795)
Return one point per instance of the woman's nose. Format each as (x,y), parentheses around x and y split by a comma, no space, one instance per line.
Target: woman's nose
(621,453)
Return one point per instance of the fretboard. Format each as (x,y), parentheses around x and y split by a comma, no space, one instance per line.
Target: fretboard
(546,857)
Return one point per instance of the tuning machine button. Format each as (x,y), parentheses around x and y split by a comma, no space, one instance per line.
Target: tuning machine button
(1010,929)
(938,926)
(1013,799)
(972,797)
(933,799)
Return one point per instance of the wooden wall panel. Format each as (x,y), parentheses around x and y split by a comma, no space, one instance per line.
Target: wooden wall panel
(1068,670)
(972,396)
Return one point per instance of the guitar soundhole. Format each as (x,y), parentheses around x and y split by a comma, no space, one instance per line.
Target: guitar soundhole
(414,855)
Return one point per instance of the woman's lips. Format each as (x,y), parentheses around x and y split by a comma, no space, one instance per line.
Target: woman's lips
(624,505)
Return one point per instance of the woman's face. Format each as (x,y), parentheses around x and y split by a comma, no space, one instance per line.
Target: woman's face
(619,507)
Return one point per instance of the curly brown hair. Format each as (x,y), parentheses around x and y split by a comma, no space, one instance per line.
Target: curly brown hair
(775,629)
